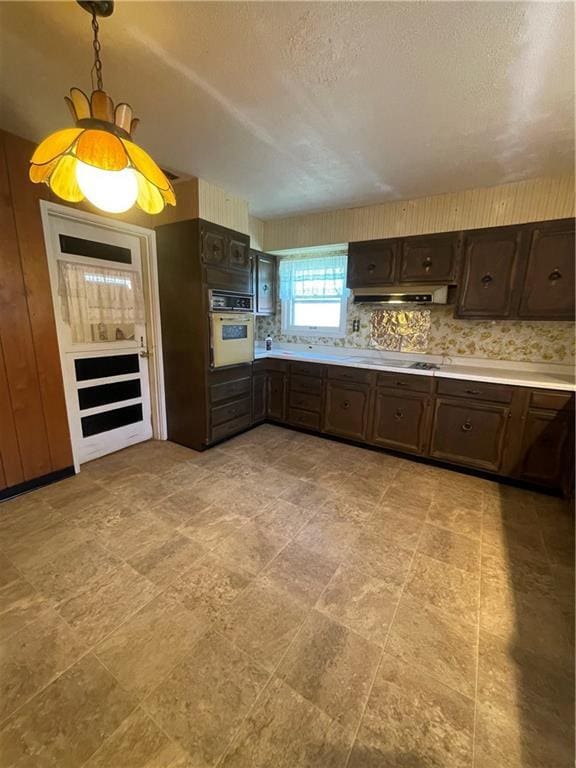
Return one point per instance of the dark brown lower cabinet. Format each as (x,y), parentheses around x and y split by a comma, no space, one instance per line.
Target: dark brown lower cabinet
(346,410)
(276,396)
(258,397)
(545,447)
(401,421)
(468,432)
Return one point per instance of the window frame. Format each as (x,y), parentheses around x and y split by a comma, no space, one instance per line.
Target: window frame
(290,329)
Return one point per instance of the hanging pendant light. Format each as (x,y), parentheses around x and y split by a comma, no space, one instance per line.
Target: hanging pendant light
(97,159)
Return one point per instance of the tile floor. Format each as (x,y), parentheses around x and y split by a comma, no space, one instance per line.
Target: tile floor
(284,601)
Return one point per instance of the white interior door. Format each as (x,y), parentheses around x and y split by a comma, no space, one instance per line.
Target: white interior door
(104,364)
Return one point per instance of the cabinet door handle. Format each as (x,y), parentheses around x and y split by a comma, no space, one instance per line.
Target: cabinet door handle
(399,414)
(466,427)
(473,391)
(427,264)
(264,287)
(555,275)
(346,404)
(401,383)
(486,280)
(371,267)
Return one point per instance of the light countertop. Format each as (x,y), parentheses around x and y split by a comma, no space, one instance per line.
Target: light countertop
(540,376)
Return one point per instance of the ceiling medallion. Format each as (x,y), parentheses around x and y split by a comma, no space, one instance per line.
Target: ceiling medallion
(97,159)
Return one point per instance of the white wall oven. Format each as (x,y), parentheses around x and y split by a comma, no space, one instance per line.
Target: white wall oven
(231,328)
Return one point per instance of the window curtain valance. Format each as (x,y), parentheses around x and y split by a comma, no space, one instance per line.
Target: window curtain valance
(91,295)
(313,277)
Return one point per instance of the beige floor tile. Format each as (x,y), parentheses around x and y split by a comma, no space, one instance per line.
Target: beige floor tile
(20,603)
(32,657)
(139,743)
(285,731)
(450,590)
(252,546)
(300,572)
(501,574)
(72,570)
(143,650)
(8,572)
(361,602)
(451,548)
(513,678)
(106,603)
(138,488)
(283,517)
(560,545)
(415,721)
(513,542)
(134,534)
(203,701)
(208,586)
(181,507)
(508,739)
(69,720)
(536,624)
(307,495)
(263,621)
(456,517)
(387,522)
(37,545)
(165,559)
(423,638)
(386,560)
(332,667)
(213,524)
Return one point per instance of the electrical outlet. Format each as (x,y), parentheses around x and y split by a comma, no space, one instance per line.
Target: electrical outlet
(355,325)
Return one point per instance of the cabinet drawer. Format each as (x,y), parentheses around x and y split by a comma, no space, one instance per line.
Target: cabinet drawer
(234,410)
(470,433)
(305,384)
(343,373)
(229,428)
(304,418)
(306,369)
(477,390)
(553,401)
(401,421)
(274,364)
(405,381)
(228,390)
(346,410)
(305,401)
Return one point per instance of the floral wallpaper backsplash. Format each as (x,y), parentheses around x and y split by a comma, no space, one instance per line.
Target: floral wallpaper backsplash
(435,331)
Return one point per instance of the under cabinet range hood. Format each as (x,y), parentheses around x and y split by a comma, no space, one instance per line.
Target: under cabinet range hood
(395,294)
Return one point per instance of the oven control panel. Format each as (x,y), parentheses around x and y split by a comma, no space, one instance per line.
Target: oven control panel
(227,301)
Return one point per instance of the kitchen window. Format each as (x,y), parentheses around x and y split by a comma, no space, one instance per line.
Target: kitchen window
(314,295)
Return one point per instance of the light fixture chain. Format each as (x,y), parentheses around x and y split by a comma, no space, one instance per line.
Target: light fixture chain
(97,68)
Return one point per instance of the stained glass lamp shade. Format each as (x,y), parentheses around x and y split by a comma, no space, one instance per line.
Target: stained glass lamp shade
(97,159)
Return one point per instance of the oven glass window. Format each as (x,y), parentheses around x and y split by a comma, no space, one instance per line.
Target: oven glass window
(230,332)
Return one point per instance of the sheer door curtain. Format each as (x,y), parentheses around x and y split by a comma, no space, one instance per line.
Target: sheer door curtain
(91,296)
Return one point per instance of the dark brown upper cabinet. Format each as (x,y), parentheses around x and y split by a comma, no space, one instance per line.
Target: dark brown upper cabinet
(489,271)
(548,278)
(429,258)
(226,257)
(264,266)
(372,262)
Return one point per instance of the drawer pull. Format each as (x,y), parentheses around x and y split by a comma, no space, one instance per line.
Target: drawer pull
(401,383)
(427,264)
(371,267)
(346,404)
(399,415)
(486,280)
(555,275)
(473,391)
(466,427)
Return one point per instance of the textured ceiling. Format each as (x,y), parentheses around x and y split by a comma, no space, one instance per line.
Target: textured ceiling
(306,106)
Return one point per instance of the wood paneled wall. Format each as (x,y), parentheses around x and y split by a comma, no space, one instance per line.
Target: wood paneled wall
(523,201)
(34,435)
